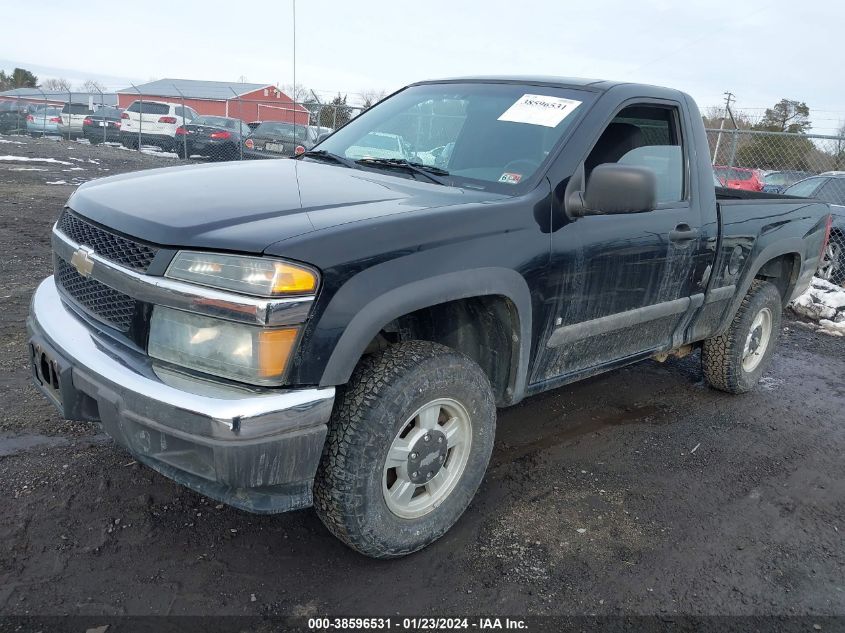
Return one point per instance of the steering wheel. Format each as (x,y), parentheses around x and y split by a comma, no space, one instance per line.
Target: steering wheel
(529,165)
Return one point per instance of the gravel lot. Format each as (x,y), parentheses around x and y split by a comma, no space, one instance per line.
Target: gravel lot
(638,492)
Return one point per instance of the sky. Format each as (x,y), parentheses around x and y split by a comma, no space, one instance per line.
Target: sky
(761,50)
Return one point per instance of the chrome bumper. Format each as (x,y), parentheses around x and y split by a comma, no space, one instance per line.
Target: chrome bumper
(257,449)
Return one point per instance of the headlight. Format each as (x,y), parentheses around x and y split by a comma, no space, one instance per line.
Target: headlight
(260,276)
(230,350)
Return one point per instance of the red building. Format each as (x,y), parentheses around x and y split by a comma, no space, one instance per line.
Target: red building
(248,102)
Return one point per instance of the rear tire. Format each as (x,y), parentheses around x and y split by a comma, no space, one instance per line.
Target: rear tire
(408,444)
(735,360)
(832,267)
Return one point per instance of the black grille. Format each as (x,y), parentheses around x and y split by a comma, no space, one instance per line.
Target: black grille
(115,248)
(111,306)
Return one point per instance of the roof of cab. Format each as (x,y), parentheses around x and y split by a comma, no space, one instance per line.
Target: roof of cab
(623,89)
(581,82)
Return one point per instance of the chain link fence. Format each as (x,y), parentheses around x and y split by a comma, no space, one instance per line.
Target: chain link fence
(221,124)
(805,165)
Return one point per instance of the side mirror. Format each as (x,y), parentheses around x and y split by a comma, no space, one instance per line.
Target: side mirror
(613,188)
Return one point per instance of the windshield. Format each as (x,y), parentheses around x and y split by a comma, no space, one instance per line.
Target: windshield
(777,178)
(280,129)
(218,121)
(46,111)
(486,135)
(76,108)
(805,188)
(729,173)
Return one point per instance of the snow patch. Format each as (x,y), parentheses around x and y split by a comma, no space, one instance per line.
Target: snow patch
(56,182)
(154,151)
(28,169)
(24,159)
(2,140)
(823,302)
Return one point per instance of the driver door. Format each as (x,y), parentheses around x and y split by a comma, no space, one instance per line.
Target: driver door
(621,284)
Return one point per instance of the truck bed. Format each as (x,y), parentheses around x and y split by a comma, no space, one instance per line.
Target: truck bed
(723,193)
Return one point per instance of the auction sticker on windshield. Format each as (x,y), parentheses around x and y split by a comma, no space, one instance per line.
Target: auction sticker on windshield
(539,110)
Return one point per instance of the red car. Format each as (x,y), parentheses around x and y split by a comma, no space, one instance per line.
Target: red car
(739,177)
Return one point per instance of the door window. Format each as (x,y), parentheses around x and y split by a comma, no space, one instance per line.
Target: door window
(645,136)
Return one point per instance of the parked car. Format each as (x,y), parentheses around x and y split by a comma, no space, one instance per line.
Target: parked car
(13,116)
(740,178)
(277,139)
(154,123)
(44,121)
(73,115)
(103,125)
(340,331)
(380,145)
(777,181)
(717,182)
(828,187)
(217,137)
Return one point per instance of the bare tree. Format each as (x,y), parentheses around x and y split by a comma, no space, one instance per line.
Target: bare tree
(371,97)
(92,85)
(56,83)
(712,117)
(299,93)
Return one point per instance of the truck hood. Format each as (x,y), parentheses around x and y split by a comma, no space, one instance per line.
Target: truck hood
(248,205)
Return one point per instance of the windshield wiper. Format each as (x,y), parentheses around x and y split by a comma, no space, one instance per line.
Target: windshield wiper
(335,158)
(427,171)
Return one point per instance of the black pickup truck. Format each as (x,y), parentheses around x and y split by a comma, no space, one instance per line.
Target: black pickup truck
(338,330)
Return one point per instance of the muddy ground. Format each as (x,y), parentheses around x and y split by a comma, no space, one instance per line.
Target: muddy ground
(638,492)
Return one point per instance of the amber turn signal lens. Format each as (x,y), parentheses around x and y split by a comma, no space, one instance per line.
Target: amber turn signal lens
(293,279)
(274,349)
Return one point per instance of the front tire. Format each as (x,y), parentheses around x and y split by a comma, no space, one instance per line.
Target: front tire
(735,360)
(409,441)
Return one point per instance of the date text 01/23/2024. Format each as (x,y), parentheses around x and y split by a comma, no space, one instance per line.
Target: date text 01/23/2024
(417,624)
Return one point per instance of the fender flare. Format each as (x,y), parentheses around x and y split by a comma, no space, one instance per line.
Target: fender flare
(424,293)
(792,246)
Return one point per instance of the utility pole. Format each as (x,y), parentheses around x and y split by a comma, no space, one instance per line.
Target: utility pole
(729,96)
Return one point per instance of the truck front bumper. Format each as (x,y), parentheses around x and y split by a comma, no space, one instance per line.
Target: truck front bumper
(255,449)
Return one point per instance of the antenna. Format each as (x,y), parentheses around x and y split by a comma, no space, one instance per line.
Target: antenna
(293,3)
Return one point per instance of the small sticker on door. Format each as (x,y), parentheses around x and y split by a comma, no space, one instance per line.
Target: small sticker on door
(539,110)
(510,178)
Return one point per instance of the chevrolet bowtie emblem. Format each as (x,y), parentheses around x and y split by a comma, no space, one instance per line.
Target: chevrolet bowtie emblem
(81,260)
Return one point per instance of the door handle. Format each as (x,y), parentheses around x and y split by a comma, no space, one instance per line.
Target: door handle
(683,233)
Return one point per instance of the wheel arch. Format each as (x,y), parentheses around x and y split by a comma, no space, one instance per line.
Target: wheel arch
(432,292)
(781,262)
